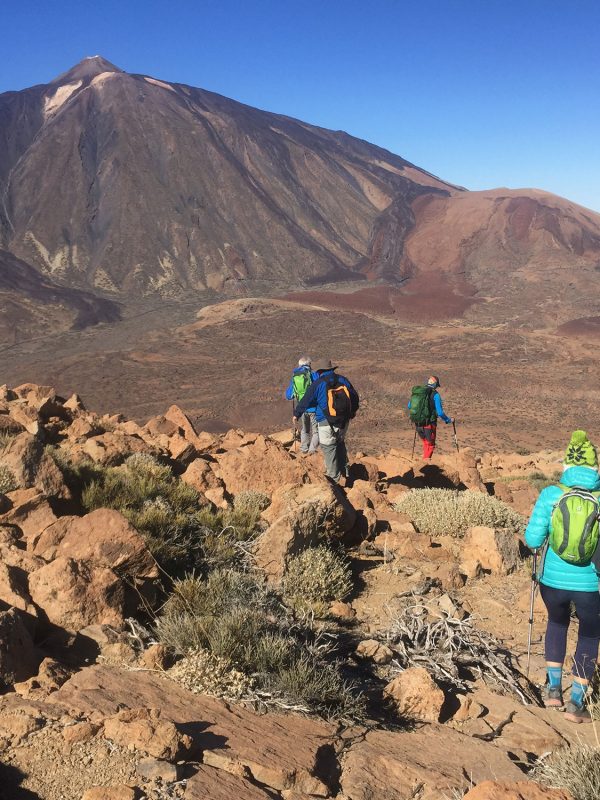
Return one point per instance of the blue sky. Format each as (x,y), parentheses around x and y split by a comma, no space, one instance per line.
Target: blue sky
(483,94)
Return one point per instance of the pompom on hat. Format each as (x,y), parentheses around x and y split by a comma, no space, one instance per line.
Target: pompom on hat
(581,452)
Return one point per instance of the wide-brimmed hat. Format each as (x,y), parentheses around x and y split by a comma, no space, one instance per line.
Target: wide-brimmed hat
(581,452)
(323,365)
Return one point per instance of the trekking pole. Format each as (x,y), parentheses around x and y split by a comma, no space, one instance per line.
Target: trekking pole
(412,458)
(455,437)
(294,424)
(531,604)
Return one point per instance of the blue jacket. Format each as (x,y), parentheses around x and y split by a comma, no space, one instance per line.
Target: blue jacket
(289,392)
(316,394)
(555,572)
(439,409)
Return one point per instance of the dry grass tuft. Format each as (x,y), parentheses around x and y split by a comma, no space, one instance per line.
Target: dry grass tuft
(448,512)
(575,768)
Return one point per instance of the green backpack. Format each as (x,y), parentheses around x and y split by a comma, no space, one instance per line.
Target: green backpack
(422,408)
(575,529)
(301,381)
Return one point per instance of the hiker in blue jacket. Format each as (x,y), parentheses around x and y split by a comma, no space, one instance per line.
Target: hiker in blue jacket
(302,378)
(332,419)
(562,584)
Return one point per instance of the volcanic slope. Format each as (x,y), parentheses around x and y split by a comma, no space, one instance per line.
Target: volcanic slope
(134,186)
(171,187)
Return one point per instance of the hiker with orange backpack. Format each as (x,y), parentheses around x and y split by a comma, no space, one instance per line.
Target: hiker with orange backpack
(565,522)
(302,378)
(336,402)
(425,406)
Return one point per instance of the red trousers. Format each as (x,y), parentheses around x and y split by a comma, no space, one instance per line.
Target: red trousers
(427,434)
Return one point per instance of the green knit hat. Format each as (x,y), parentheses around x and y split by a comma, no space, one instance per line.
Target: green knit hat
(581,452)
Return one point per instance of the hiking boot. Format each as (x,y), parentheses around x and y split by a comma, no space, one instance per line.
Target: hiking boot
(577,714)
(553,697)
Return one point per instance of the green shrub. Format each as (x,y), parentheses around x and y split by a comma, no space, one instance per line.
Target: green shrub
(575,768)
(244,626)
(311,684)
(447,512)
(314,578)
(180,532)
(8,482)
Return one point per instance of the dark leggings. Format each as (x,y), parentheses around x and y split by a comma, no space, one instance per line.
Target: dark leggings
(587,607)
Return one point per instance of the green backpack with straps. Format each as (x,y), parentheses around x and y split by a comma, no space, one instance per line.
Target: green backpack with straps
(422,407)
(301,381)
(575,525)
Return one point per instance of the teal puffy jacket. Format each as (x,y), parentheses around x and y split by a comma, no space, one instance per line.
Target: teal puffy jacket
(555,572)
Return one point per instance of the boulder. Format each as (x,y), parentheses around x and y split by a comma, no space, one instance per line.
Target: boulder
(119,792)
(112,448)
(13,589)
(429,762)
(73,594)
(201,476)
(497,550)
(262,464)
(144,730)
(30,512)
(415,695)
(468,470)
(50,676)
(309,514)
(18,656)
(520,790)
(103,538)
(280,752)
(74,403)
(375,651)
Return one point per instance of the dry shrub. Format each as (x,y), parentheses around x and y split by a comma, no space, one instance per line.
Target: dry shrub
(203,672)
(448,512)
(576,768)
(6,437)
(8,482)
(251,500)
(314,578)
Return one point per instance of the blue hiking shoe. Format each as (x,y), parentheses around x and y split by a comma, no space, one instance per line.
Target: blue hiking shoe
(577,713)
(553,697)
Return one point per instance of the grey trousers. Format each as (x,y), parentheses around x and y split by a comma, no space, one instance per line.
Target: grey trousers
(334,450)
(309,434)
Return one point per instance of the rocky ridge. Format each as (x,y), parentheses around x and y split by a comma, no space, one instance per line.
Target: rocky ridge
(88,687)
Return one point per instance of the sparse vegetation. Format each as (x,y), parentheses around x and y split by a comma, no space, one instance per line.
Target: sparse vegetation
(8,482)
(202,672)
(540,481)
(181,532)
(447,512)
(251,501)
(576,768)
(6,437)
(314,578)
(246,628)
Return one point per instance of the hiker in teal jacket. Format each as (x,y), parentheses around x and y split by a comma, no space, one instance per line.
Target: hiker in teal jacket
(563,584)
